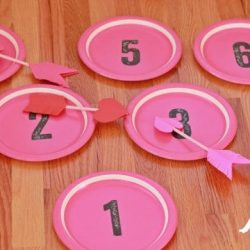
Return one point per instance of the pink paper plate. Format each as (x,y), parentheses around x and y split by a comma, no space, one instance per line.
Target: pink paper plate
(12,46)
(223,49)
(205,115)
(31,137)
(130,48)
(115,210)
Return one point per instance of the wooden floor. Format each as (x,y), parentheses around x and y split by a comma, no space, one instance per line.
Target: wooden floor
(211,208)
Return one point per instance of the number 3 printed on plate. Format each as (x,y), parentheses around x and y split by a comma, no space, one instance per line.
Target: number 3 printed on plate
(184,120)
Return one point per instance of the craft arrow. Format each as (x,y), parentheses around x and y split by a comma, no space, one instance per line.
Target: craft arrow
(42,103)
(222,160)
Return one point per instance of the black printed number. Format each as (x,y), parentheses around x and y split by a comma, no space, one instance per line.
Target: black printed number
(126,49)
(36,135)
(242,57)
(115,218)
(184,120)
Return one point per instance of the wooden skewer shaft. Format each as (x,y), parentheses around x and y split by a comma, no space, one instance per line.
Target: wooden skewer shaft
(14,60)
(190,139)
(82,108)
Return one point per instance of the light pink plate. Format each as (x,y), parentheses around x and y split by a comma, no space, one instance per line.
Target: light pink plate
(130,48)
(32,137)
(205,115)
(223,49)
(13,46)
(115,210)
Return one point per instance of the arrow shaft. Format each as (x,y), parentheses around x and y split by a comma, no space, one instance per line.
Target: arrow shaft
(82,108)
(13,60)
(190,139)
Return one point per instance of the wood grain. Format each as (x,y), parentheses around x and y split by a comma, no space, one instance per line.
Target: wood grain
(211,208)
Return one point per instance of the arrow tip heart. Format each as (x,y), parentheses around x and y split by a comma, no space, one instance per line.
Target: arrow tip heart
(109,110)
(166,125)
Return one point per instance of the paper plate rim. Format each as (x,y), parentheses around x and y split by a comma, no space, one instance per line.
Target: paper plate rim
(170,155)
(61,153)
(14,67)
(152,74)
(203,62)
(172,210)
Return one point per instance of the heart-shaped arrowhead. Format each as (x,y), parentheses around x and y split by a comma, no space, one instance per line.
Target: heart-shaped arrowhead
(166,125)
(52,72)
(109,110)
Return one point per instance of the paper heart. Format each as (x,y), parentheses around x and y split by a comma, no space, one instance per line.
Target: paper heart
(109,111)
(166,125)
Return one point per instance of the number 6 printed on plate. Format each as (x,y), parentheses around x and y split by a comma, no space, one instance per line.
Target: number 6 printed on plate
(223,49)
(242,57)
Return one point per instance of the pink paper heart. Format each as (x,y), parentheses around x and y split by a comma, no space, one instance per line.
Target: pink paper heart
(109,110)
(166,125)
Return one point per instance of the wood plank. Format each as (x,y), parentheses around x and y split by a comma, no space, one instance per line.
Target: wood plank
(27,178)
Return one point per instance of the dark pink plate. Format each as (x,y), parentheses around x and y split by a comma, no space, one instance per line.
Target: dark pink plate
(223,49)
(130,48)
(32,137)
(205,115)
(115,210)
(13,46)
